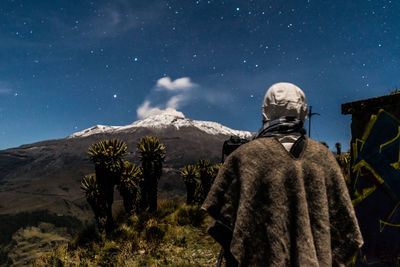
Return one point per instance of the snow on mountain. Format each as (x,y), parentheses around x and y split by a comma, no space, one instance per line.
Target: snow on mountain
(94,130)
(163,121)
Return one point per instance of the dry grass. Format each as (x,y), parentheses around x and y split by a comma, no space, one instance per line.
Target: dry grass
(38,239)
(175,235)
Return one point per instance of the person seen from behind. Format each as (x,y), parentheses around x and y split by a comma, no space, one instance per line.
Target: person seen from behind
(281,199)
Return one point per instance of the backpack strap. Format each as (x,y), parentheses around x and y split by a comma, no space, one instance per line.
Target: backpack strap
(298,146)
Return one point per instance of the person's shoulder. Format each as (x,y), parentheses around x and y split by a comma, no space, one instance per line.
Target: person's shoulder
(317,149)
(313,144)
(255,145)
(252,152)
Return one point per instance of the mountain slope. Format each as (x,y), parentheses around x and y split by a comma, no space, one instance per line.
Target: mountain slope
(164,121)
(46,175)
(40,182)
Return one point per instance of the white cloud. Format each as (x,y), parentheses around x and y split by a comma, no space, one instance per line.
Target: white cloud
(174,101)
(180,92)
(180,88)
(179,84)
(145,110)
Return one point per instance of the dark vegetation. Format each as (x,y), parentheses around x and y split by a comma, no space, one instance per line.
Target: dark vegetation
(198,180)
(145,231)
(173,235)
(137,185)
(141,226)
(151,154)
(344,161)
(11,223)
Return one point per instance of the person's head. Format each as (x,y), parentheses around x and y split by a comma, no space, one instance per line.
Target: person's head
(284,100)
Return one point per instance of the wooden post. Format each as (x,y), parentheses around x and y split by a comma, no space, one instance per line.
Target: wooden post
(310,114)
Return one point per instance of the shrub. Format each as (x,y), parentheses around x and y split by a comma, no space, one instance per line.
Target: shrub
(153,234)
(138,221)
(85,237)
(153,231)
(110,248)
(167,207)
(120,216)
(54,258)
(192,215)
(125,233)
(178,236)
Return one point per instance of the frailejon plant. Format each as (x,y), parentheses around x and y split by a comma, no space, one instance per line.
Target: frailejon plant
(129,188)
(108,159)
(207,175)
(214,171)
(189,175)
(91,189)
(203,166)
(152,154)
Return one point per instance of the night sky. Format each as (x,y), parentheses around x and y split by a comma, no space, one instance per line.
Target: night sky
(69,65)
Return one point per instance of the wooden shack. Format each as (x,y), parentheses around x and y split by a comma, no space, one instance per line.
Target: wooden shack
(362,110)
(375,176)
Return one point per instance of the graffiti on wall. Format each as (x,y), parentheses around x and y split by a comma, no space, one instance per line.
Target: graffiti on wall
(377,187)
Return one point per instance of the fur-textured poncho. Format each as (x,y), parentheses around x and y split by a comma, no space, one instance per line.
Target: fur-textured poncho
(281,210)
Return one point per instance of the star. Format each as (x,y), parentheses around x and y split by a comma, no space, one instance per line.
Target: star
(115,95)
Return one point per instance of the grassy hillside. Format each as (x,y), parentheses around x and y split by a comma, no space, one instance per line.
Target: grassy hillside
(175,235)
(24,234)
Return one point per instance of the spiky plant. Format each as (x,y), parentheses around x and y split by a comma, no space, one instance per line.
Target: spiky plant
(189,175)
(107,156)
(204,167)
(129,186)
(214,171)
(90,188)
(152,154)
(108,153)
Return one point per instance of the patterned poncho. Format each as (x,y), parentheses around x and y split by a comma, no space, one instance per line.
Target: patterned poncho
(272,209)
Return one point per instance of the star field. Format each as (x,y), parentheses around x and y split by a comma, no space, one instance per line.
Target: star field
(69,65)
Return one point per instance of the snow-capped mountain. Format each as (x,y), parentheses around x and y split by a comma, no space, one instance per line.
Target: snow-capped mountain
(163,121)
(46,176)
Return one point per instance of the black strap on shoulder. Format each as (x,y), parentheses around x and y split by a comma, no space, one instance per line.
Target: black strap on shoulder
(298,146)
